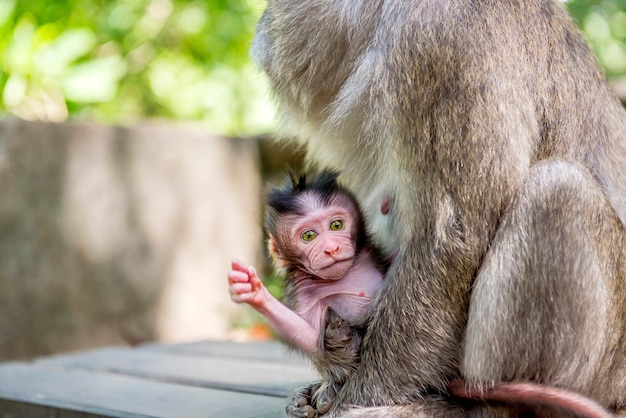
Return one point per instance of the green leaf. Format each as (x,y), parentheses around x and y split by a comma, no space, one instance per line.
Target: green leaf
(94,81)
(57,56)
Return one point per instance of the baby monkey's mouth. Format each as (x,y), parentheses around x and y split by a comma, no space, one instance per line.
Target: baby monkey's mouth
(336,262)
(335,270)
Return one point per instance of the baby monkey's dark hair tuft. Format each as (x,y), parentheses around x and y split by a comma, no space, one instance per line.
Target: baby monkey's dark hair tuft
(284,200)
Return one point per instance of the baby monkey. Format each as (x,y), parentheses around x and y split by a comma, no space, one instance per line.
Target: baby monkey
(317,238)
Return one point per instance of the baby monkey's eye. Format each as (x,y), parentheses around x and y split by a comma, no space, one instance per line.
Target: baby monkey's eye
(308,235)
(336,225)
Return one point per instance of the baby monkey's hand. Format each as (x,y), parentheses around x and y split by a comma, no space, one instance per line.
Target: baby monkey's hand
(245,285)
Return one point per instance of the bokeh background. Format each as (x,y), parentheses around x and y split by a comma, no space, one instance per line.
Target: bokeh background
(120,61)
(134,149)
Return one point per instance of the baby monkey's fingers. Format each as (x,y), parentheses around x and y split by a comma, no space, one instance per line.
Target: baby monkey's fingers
(236,276)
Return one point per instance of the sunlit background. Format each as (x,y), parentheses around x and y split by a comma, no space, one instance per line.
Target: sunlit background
(124,60)
(132,166)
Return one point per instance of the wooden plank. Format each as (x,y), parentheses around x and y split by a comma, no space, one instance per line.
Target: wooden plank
(13,409)
(28,388)
(249,376)
(263,350)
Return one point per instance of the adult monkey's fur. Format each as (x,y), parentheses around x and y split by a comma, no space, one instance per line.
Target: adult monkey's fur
(493,132)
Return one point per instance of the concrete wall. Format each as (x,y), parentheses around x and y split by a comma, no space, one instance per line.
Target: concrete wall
(114,235)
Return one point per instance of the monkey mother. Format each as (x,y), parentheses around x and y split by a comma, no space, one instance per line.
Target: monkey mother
(485,145)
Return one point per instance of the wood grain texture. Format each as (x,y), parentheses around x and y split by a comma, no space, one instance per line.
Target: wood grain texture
(249,376)
(205,379)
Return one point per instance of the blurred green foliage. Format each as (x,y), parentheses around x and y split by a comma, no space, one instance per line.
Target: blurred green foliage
(604,25)
(119,61)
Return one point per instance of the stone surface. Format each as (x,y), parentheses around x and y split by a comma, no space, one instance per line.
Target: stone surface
(114,235)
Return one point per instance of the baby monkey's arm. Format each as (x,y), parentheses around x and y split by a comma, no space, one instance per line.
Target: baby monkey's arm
(246,287)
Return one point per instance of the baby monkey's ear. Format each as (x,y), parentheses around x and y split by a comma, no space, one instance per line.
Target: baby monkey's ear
(273,247)
(280,263)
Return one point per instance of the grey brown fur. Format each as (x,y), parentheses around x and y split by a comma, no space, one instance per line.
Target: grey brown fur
(493,131)
(335,361)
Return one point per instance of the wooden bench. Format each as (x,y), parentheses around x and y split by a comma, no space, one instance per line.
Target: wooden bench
(204,379)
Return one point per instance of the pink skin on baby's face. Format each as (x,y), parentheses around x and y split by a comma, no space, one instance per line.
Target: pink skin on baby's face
(324,240)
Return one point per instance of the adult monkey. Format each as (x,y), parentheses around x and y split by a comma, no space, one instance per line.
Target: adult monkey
(484,144)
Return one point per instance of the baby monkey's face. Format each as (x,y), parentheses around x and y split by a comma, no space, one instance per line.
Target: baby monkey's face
(325,238)
(325,242)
